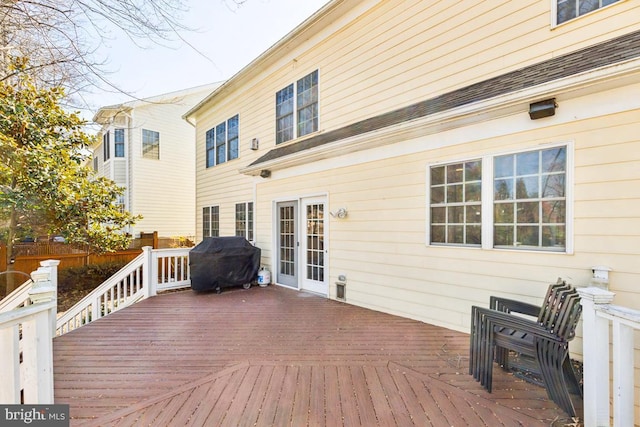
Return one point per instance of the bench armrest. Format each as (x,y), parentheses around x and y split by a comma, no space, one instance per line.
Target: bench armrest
(492,318)
(506,305)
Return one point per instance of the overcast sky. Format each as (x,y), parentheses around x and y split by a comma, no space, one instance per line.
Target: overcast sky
(227,38)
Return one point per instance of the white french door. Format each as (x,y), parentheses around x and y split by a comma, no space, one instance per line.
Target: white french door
(288,246)
(302,245)
(313,248)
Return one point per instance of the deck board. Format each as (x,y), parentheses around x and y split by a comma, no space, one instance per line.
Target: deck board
(274,357)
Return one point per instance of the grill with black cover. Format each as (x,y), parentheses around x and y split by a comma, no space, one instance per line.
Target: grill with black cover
(221,262)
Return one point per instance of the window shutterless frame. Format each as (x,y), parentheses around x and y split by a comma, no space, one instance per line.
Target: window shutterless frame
(210,221)
(526,201)
(222,142)
(567,10)
(297,108)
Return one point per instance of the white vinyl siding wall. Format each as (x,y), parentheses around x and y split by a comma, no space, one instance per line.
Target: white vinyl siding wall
(379,56)
(382,246)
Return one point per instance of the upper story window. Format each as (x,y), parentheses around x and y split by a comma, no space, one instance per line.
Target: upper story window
(118,141)
(526,208)
(569,9)
(222,142)
(297,109)
(106,146)
(150,144)
(244,220)
(210,221)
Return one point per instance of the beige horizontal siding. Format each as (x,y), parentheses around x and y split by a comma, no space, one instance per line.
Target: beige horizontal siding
(381,245)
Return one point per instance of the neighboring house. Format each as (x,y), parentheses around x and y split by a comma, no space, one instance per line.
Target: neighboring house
(146,147)
(431,154)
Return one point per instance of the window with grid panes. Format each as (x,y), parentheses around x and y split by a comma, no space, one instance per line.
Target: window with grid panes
(150,144)
(524,205)
(297,109)
(456,203)
(570,9)
(211,221)
(222,142)
(529,192)
(118,142)
(244,220)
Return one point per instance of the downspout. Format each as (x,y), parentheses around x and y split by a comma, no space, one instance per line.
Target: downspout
(195,180)
(129,167)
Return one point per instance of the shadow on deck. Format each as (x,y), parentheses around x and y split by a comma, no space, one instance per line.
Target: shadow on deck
(274,357)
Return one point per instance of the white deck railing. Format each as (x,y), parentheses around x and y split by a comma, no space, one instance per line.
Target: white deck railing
(599,317)
(28,317)
(154,270)
(27,328)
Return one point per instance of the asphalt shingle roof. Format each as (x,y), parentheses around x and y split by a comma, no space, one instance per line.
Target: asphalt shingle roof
(606,53)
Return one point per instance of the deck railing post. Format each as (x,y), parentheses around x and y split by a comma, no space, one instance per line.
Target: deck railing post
(51,265)
(148,281)
(10,366)
(596,356)
(37,338)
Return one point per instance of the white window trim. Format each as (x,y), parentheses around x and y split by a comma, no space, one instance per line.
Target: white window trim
(227,145)
(142,155)
(488,201)
(554,13)
(295,109)
(211,222)
(246,225)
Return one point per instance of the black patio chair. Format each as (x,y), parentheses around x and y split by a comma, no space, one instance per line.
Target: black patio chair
(498,334)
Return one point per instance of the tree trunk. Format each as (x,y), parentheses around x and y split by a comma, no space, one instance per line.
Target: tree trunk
(12,283)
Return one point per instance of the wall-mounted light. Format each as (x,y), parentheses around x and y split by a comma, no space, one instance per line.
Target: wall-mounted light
(540,109)
(340,213)
(265,173)
(254,144)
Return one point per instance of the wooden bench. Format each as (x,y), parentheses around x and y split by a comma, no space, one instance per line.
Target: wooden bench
(497,333)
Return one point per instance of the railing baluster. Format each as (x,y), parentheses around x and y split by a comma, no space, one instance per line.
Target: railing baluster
(153,270)
(622,374)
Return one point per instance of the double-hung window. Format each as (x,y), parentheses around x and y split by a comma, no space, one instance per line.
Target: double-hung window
(456,203)
(150,144)
(106,146)
(210,221)
(297,109)
(511,201)
(118,141)
(569,9)
(222,142)
(244,220)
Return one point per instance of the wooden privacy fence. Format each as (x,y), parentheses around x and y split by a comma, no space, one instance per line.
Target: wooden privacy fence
(27,263)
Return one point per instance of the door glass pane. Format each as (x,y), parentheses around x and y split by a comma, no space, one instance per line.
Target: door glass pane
(287,240)
(315,242)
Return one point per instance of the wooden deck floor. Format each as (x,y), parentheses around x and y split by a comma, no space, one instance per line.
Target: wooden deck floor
(276,357)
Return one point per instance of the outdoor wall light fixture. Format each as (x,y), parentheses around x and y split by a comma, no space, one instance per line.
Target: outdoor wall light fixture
(265,173)
(340,213)
(540,109)
(254,144)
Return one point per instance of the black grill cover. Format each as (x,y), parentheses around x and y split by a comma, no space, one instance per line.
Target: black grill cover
(220,262)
